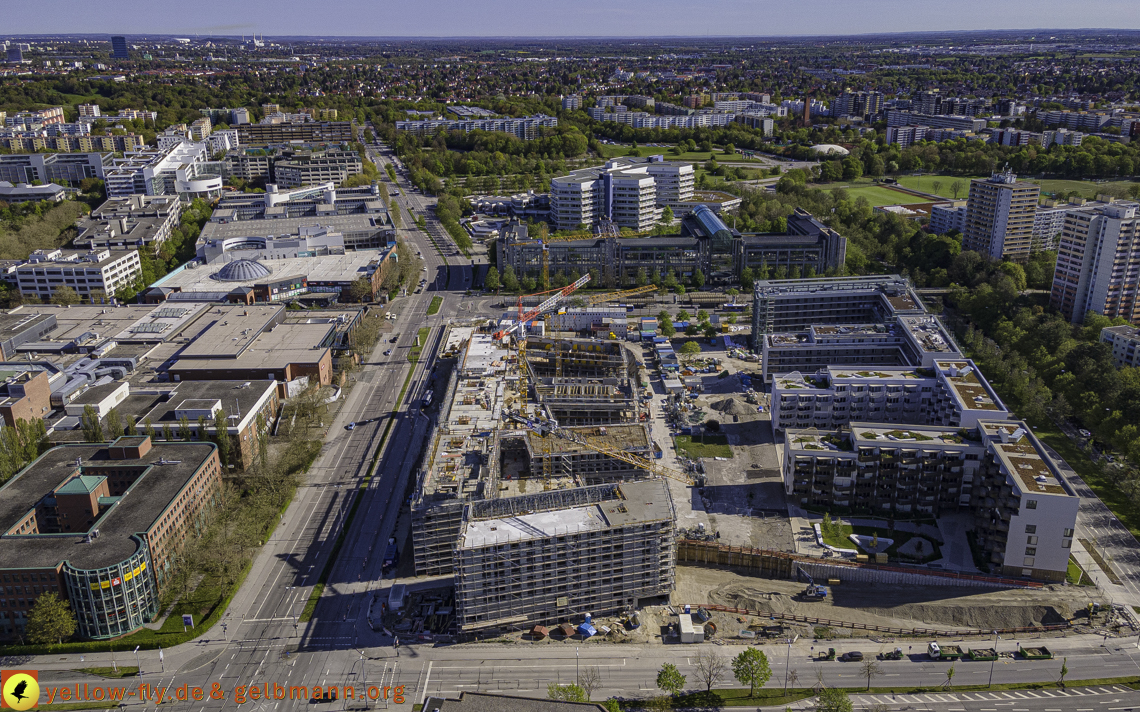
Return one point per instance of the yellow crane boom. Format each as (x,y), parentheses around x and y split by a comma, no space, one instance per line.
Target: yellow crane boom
(610,296)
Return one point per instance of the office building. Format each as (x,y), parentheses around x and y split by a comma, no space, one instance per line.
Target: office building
(308,168)
(246,220)
(24,193)
(307,132)
(999,217)
(119,48)
(705,244)
(101,525)
(86,272)
(951,393)
(136,221)
(796,304)
(613,546)
(16,50)
(1098,263)
(624,190)
(64,169)
(526,128)
(1123,341)
(26,395)
(1022,510)
(180,169)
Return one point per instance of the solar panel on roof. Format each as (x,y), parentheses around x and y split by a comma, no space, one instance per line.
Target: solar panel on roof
(169,313)
(149,328)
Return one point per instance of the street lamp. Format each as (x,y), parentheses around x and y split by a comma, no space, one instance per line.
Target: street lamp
(577,675)
(996,639)
(364,677)
(137,661)
(787,664)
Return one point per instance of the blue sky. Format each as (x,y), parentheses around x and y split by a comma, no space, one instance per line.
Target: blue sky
(551,18)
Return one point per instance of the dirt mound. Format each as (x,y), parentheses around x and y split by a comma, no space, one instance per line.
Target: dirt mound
(980,616)
(733,406)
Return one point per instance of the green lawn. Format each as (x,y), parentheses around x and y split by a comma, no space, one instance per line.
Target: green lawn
(436,303)
(109,672)
(926,184)
(881,195)
(709,446)
(899,538)
(1088,189)
(1076,575)
(414,354)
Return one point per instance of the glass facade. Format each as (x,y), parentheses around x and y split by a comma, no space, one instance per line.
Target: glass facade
(115,600)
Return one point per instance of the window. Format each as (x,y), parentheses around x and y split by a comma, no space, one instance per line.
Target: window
(1068,532)
(1031,540)
(1031,504)
(1067,544)
(1030,528)
(1028,561)
(1031,551)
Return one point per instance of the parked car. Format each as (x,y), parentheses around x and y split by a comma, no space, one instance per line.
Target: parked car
(1084,433)
(853,656)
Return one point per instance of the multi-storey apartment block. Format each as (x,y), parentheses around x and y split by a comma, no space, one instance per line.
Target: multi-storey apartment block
(999,217)
(526,127)
(60,168)
(1124,342)
(136,221)
(1098,263)
(303,132)
(952,393)
(1022,509)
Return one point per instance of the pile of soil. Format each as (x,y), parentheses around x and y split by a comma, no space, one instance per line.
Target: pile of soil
(733,406)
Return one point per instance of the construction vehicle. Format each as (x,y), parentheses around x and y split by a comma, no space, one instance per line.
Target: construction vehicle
(944,652)
(983,654)
(829,655)
(813,592)
(896,654)
(391,556)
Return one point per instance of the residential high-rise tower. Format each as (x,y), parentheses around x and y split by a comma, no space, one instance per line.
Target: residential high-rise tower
(999,216)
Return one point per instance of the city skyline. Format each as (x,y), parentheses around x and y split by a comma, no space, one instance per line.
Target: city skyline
(592,18)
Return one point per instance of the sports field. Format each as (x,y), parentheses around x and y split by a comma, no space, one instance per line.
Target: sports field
(879,195)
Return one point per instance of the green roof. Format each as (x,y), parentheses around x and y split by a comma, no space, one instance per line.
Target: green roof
(84,484)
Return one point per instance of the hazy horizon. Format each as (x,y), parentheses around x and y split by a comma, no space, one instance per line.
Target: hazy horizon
(586,19)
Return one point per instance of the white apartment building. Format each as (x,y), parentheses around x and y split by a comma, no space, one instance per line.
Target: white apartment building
(631,191)
(945,217)
(953,394)
(1098,263)
(1123,340)
(85,272)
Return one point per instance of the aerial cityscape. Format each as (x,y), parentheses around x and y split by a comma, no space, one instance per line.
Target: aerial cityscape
(432,367)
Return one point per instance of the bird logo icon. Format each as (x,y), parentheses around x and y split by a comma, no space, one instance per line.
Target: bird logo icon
(21,689)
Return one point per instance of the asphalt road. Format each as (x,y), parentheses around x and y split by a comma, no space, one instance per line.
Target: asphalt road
(261,642)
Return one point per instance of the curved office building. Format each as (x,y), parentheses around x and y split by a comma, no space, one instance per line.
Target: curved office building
(114,600)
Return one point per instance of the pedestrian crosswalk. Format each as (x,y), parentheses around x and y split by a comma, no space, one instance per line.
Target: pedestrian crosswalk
(1015,695)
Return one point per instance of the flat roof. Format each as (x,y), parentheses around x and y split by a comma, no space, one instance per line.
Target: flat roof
(163,322)
(285,344)
(968,386)
(323,268)
(227,331)
(236,398)
(74,321)
(285,226)
(133,513)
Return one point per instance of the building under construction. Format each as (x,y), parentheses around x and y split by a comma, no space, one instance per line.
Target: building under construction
(493,446)
(553,556)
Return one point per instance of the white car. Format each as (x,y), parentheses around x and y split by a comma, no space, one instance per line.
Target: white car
(350,426)
(1085,433)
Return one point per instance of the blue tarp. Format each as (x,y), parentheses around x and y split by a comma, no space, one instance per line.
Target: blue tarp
(586,630)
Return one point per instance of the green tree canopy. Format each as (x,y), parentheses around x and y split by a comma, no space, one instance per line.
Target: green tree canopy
(751,668)
(50,620)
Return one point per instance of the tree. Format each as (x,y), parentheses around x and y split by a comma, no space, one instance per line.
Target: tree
(612,705)
(566,693)
(950,676)
(590,680)
(698,279)
(149,430)
(92,426)
(50,620)
(491,281)
(131,426)
(683,315)
(751,668)
(64,296)
(510,281)
(956,188)
(711,669)
(670,679)
(642,279)
(667,215)
(184,428)
(702,316)
(747,277)
(1064,671)
(871,669)
(222,436)
(167,433)
(359,290)
(831,699)
(711,331)
(689,350)
(114,424)
(394,211)
(936,185)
